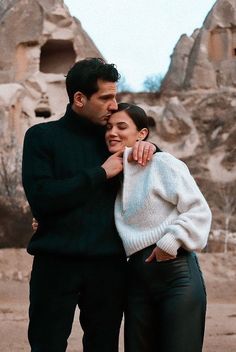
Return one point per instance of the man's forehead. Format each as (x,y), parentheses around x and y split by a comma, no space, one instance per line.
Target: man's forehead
(106,86)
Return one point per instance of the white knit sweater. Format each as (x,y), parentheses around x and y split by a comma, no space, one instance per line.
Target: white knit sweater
(161,203)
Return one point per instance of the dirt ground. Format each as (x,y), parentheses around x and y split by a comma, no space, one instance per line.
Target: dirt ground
(220,276)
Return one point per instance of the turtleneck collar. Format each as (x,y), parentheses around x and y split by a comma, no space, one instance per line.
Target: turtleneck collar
(81,122)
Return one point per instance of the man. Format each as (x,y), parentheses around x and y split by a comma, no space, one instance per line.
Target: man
(69,180)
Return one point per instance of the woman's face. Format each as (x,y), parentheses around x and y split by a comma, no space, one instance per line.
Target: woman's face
(122,132)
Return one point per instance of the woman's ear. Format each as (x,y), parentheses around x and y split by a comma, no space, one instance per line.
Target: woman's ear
(142,134)
(79,99)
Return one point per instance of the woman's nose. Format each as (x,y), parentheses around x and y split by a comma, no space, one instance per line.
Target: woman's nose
(112,131)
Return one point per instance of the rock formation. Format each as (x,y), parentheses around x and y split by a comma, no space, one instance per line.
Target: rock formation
(39,42)
(202,75)
(207,59)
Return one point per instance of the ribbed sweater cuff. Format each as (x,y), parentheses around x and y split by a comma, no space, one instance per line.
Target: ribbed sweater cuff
(169,244)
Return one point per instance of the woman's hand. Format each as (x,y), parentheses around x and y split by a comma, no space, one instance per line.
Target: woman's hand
(159,255)
(35,224)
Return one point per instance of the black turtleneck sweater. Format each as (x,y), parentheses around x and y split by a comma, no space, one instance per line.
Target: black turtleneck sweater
(67,188)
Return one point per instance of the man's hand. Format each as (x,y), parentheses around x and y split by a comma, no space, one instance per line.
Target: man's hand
(159,255)
(114,164)
(142,152)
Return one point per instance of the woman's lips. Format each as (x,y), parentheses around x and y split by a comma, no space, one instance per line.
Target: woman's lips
(113,142)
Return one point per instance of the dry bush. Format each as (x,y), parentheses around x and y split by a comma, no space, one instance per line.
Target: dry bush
(15,216)
(15,226)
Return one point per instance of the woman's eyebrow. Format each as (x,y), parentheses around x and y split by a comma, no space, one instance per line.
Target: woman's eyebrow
(122,123)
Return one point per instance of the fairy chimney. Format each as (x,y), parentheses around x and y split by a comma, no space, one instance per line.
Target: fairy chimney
(207,59)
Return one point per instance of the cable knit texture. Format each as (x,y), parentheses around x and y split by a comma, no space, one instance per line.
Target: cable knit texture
(161,203)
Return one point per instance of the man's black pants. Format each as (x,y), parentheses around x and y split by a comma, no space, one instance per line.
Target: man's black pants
(166,304)
(58,284)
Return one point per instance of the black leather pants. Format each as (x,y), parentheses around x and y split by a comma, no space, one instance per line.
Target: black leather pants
(166,305)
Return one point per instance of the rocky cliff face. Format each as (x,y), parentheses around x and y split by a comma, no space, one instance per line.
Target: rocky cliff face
(202,77)
(207,59)
(39,42)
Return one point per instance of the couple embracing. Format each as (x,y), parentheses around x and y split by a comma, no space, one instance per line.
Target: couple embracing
(101,194)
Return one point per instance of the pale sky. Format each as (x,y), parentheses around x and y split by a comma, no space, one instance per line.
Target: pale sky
(139,35)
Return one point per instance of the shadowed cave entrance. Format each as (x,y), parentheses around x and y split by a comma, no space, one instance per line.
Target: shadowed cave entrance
(57,56)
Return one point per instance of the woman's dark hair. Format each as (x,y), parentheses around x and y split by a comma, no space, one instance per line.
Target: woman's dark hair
(84,74)
(137,114)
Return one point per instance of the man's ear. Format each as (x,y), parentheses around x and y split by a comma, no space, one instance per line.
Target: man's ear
(79,99)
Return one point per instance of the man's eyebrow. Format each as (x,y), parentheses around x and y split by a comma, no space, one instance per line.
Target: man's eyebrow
(107,95)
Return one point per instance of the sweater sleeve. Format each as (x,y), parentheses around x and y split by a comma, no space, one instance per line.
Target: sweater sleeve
(191,228)
(46,194)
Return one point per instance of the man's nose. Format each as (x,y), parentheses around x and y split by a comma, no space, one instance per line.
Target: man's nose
(113,106)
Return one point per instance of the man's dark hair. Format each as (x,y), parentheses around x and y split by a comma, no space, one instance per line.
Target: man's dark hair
(84,74)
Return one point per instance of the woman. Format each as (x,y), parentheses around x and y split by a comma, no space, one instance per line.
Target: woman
(161,223)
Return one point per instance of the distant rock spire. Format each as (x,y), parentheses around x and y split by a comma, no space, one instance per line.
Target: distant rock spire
(207,59)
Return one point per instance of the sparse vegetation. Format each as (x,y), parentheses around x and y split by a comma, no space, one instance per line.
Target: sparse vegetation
(15,216)
(152,83)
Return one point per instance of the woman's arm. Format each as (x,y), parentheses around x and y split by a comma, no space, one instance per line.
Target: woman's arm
(191,228)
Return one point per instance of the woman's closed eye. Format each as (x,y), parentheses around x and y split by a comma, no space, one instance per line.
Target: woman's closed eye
(120,126)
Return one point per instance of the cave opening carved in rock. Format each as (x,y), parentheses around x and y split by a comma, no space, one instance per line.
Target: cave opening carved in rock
(222,44)
(57,56)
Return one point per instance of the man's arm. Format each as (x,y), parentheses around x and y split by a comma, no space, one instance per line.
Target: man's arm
(142,152)
(45,193)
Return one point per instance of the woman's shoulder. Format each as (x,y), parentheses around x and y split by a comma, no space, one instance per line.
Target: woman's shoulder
(168,160)
(166,157)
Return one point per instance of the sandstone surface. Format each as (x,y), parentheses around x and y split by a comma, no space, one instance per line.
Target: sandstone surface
(39,42)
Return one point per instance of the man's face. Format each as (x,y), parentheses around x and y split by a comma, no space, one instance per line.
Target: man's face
(99,107)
